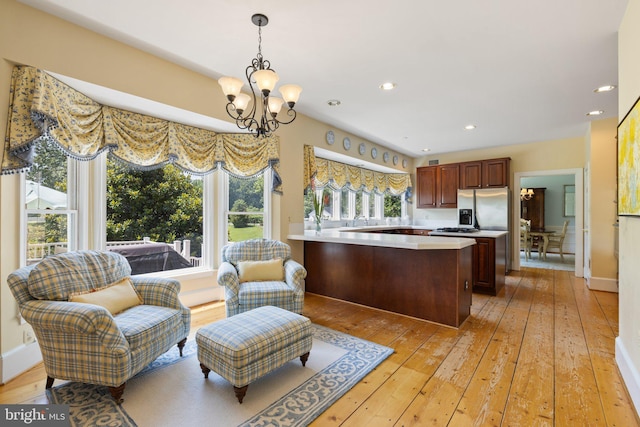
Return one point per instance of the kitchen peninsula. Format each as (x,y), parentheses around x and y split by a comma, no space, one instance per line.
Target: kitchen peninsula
(420,276)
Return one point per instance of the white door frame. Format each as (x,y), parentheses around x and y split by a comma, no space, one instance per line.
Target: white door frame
(579,221)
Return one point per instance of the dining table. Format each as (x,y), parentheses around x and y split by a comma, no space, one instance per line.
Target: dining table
(545,241)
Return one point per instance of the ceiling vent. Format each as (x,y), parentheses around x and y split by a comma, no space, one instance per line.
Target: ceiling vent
(434,162)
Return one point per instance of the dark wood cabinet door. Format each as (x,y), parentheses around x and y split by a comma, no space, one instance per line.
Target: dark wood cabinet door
(470,175)
(533,209)
(495,173)
(426,178)
(448,180)
(484,274)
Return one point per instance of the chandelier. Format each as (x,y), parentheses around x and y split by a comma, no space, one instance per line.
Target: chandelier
(526,194)
(259,73)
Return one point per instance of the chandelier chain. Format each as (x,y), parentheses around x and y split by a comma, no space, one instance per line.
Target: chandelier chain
(260,41)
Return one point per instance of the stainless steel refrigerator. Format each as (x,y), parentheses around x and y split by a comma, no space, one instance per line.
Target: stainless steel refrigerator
(490,210)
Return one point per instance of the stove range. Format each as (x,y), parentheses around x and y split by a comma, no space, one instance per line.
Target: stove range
(457,230)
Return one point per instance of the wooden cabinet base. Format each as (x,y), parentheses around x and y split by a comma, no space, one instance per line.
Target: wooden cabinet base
(489,265)
(434,285)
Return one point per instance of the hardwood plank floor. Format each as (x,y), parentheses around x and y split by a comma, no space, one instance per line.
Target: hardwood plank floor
(540,353)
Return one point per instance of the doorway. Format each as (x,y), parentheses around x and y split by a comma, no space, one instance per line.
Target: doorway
(578,211)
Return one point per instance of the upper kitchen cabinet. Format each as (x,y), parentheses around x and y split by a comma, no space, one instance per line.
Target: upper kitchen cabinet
(426,178)
(492,173)
(438,186)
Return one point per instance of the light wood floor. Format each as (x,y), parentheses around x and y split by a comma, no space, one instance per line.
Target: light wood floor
(541,353)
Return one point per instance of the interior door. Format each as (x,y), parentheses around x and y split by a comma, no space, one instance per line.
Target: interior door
(587,225)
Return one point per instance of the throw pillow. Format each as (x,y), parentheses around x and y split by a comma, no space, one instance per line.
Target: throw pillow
(115,297)
(260,271)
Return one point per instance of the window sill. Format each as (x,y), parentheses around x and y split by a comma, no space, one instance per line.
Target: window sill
(182,274)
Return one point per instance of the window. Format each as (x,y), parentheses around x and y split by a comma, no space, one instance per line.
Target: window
(155,217)
(50,215)
(347,204)
(360,204)
(392,206)
(246,215)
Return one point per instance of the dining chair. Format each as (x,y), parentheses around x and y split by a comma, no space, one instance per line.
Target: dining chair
(525,239)
(556,240)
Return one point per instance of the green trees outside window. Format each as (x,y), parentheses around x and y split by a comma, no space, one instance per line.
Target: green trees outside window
(246,213)
(162,204)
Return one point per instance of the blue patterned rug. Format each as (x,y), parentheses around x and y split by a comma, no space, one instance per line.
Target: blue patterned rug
(172,390)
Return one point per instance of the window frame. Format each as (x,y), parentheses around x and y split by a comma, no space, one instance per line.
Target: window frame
(74,186)
(223,223)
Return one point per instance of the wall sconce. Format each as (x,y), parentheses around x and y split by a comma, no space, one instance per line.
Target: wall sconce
(526,194)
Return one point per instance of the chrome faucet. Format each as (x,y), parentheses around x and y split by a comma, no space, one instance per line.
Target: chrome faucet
(355,220)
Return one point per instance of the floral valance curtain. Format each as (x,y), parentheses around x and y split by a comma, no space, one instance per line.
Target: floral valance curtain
(322,172)
(42,107)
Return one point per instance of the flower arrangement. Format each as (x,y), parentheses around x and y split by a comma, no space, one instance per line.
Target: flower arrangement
(318,206)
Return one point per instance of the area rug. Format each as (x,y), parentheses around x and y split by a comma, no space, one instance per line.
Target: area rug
(553,261)
(172,391)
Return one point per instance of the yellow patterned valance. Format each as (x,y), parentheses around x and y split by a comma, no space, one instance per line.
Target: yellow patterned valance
(42,107)
(339,175)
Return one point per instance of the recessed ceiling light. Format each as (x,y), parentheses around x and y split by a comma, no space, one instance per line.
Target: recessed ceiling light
(334,102)
(470,127)
(426,149)
(606,88)
(388,86)
(595,113)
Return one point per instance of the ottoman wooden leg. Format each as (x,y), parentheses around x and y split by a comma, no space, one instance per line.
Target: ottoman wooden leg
(304,358)
(205,370)
(240,392)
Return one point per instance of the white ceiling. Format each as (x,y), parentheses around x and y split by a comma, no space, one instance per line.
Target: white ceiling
(521,71)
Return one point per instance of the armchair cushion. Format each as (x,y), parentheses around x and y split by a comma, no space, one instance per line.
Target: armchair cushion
(257,271)
(55,278)
(116,297)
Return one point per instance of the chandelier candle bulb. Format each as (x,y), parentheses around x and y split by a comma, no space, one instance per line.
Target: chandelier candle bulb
(241,102)
(230,87)
(266,80)
(290,93)
(275,105)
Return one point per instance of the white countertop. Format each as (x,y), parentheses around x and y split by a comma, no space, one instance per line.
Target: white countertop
(403,241)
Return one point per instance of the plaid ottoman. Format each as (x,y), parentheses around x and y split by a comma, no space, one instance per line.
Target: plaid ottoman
(249,345)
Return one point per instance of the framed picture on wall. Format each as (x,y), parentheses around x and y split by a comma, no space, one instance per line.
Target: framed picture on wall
(569,202)
(629,162)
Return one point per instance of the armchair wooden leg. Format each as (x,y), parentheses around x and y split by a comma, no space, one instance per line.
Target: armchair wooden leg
(181,345)
(49,382)
(116,392)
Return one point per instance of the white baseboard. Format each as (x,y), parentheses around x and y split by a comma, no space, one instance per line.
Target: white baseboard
(602,284)
(629,373)
(18,360)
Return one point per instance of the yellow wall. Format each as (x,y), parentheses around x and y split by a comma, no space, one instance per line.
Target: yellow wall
(602,209)
(31,37)
(628,342)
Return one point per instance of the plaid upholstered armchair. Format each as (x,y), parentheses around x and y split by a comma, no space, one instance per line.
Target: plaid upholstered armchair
(260,272)
(95,324)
